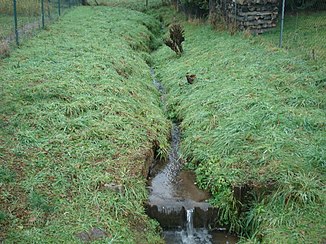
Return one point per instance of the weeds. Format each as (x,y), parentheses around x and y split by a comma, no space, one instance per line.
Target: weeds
(4,50)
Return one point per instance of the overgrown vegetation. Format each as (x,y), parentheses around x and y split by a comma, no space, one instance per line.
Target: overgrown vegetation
(253,127)
(79,116)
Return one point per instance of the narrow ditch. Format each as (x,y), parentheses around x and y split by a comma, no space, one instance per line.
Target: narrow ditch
(177,203)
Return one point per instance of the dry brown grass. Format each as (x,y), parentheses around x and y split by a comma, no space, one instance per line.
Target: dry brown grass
(4,49)
(24,7)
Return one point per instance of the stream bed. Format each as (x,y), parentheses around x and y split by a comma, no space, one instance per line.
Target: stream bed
(177,203)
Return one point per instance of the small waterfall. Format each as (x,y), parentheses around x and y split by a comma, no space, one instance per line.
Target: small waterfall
(190,222)
(189,235)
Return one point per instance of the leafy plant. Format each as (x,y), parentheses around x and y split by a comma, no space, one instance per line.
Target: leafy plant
(176,38)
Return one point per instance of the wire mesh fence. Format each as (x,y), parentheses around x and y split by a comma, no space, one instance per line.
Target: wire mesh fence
(304,28)
(304,21)
(301,29)
(21,18)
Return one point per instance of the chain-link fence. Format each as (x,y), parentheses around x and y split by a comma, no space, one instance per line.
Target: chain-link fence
(297,25)
(304,29)
(21,18)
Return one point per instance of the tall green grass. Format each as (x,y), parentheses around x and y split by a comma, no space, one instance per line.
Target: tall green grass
(253,119)
(79,113)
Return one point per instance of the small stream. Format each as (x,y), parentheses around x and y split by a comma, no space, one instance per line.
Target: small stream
(177,203)
(173,183)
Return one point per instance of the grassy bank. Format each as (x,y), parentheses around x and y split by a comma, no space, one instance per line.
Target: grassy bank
(253,129)
(79,116)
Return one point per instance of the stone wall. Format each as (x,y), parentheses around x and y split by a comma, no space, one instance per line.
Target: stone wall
(257,16)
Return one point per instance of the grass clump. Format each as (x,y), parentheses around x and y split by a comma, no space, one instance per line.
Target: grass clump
(253,129)
(79,114)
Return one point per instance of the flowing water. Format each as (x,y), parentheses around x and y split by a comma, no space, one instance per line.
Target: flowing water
(176,202)
(193,235)
(170,182)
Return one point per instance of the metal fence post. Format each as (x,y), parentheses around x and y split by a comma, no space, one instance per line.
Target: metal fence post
(146,3)
(49,11)
(235,13)
(42,8)
(282,24)
(16,22)
(59,7)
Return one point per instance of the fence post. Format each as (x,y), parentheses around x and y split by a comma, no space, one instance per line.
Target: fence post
(282,23)
(42,8)
(59,7)
(146,3)
(235,13)
(49,11)
(16,22)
